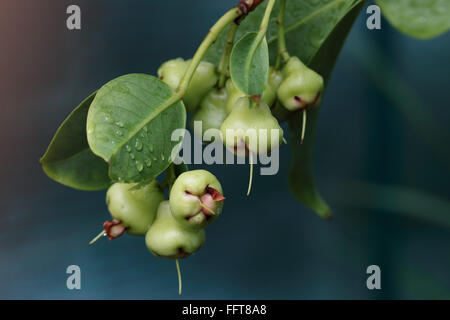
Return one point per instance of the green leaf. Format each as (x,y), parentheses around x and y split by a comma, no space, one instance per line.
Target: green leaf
(68,159)
(127,127)
(302,169)
(249,64)
(307,25)
(301,178)
(419,19)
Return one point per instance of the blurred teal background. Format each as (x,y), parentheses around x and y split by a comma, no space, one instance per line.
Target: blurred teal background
(382,161)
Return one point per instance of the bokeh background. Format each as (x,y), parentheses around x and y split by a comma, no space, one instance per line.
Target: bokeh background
(382,161)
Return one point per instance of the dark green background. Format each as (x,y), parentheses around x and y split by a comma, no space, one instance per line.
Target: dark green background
(267,246)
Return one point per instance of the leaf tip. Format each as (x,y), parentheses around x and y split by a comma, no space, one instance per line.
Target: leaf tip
(328,216)
(323,211)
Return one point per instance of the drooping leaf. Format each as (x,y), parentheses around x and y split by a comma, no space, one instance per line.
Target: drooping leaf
(315,32)
(249,64)
(68,159)
(301,178)
(421,19)
(128,129)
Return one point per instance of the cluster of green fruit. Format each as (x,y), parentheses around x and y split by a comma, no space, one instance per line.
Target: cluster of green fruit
(296,87)
(174,228)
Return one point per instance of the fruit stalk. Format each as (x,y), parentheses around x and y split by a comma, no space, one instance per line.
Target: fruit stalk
(282,50)
(214,32)
(225,61)
(232,15)
(264,24)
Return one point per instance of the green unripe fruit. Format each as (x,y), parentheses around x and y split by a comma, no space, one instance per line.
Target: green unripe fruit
(134,209)
(204,78)
(270,92)
(269,95)
(196,199)
(172,71)
(166,238)
(301,87)
(234,94)
(252,127)
(293,64)
(212,111)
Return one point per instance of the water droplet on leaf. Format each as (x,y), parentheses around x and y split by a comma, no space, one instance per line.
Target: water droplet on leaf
(138,145)
(139,165)
(316,36)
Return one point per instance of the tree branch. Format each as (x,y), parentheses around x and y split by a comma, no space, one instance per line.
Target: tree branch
(247,6)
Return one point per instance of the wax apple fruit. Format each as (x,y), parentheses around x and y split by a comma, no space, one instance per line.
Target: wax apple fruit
(301,88)
(251,126)
(212,111)
(166,238)
(132,210)
(196,199)
(203,80)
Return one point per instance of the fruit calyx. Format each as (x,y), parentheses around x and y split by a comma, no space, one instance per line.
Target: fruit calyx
(207,201)
(114,229)
(304,105)
(241,143)
(256,98)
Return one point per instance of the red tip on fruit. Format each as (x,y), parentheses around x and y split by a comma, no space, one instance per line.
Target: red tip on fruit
(216,195)
(300,101)
(114,229)
(256,98)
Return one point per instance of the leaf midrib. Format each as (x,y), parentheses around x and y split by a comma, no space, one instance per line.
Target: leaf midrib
(157,111)
(161,108)
(251,55)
